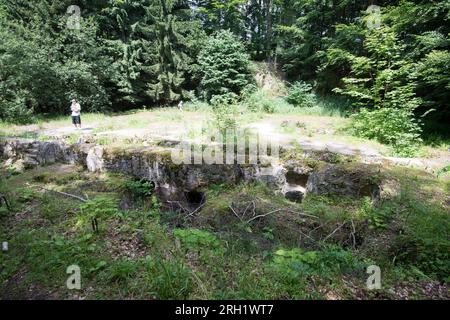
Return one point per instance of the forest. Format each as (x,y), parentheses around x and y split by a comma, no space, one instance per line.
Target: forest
(130,54)
(355,92)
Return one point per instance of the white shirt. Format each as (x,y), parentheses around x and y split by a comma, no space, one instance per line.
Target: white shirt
(76,109)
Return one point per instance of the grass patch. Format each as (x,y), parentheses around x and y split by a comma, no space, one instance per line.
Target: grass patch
(217,255)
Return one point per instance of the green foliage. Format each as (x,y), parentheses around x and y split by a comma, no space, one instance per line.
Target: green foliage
(225,111)
(119,271)
(27,195)
(177,39)
(383,78)
(125,54)
(99,208)
(384,69)
(424,242)
(294,261)
(15,110)
(48,255)
(195,239)
(306,30)
(410,243)
(259,101)
(378,216)
(300,95)
(395,127)
(140,188)
(225,66)
(443,171)
(326,262)
(169,278)
(37,75)
(253,20)
(130,54)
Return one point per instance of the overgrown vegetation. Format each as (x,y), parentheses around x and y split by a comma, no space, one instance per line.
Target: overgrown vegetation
(389,59)
(298,70)
(141,253)
(225,68)
(299,94)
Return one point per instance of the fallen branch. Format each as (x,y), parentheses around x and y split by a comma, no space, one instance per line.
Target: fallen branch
(302,214)
(254,208)
(231,207)
(316,228)
(263,215)
(246,208)
(65,194)
(353,235)
(307,236)
(203,202)
(5,201)
(188,212)
(335,230)
(180,206)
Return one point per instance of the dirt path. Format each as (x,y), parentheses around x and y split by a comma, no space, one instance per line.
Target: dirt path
(318,133)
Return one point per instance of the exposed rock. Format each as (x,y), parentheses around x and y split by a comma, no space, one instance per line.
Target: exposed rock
(34,153)
(94,159)
(389,189)
(28,163)
(339,180)
(273,176)
(18,166)
(294,178)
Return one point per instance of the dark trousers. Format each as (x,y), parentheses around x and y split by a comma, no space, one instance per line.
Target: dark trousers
(76,120)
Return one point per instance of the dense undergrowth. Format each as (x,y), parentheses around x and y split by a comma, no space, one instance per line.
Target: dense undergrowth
(314,250)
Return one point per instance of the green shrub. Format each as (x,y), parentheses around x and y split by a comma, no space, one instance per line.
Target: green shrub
(16,110)
(224,108)
(259,101)
(98,208)
(28,195)
(394,127)
(378,216)
(225,66)
(424,242)
(300,95)
(48,255)
(140,188)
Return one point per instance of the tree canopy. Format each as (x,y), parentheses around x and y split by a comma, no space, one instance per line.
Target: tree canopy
(128,54)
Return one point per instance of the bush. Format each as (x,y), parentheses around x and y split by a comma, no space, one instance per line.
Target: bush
(98,208)
(225,66)
(424,242)
(33,81)
(224,107)
(300,95)
(16,110)
(141,189)
(259,101)
(395,127)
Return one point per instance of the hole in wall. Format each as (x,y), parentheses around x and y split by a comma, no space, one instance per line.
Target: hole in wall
(195,199)
(295,178)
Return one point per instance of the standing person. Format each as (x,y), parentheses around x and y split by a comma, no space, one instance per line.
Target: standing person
(180,105)
(76,113)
